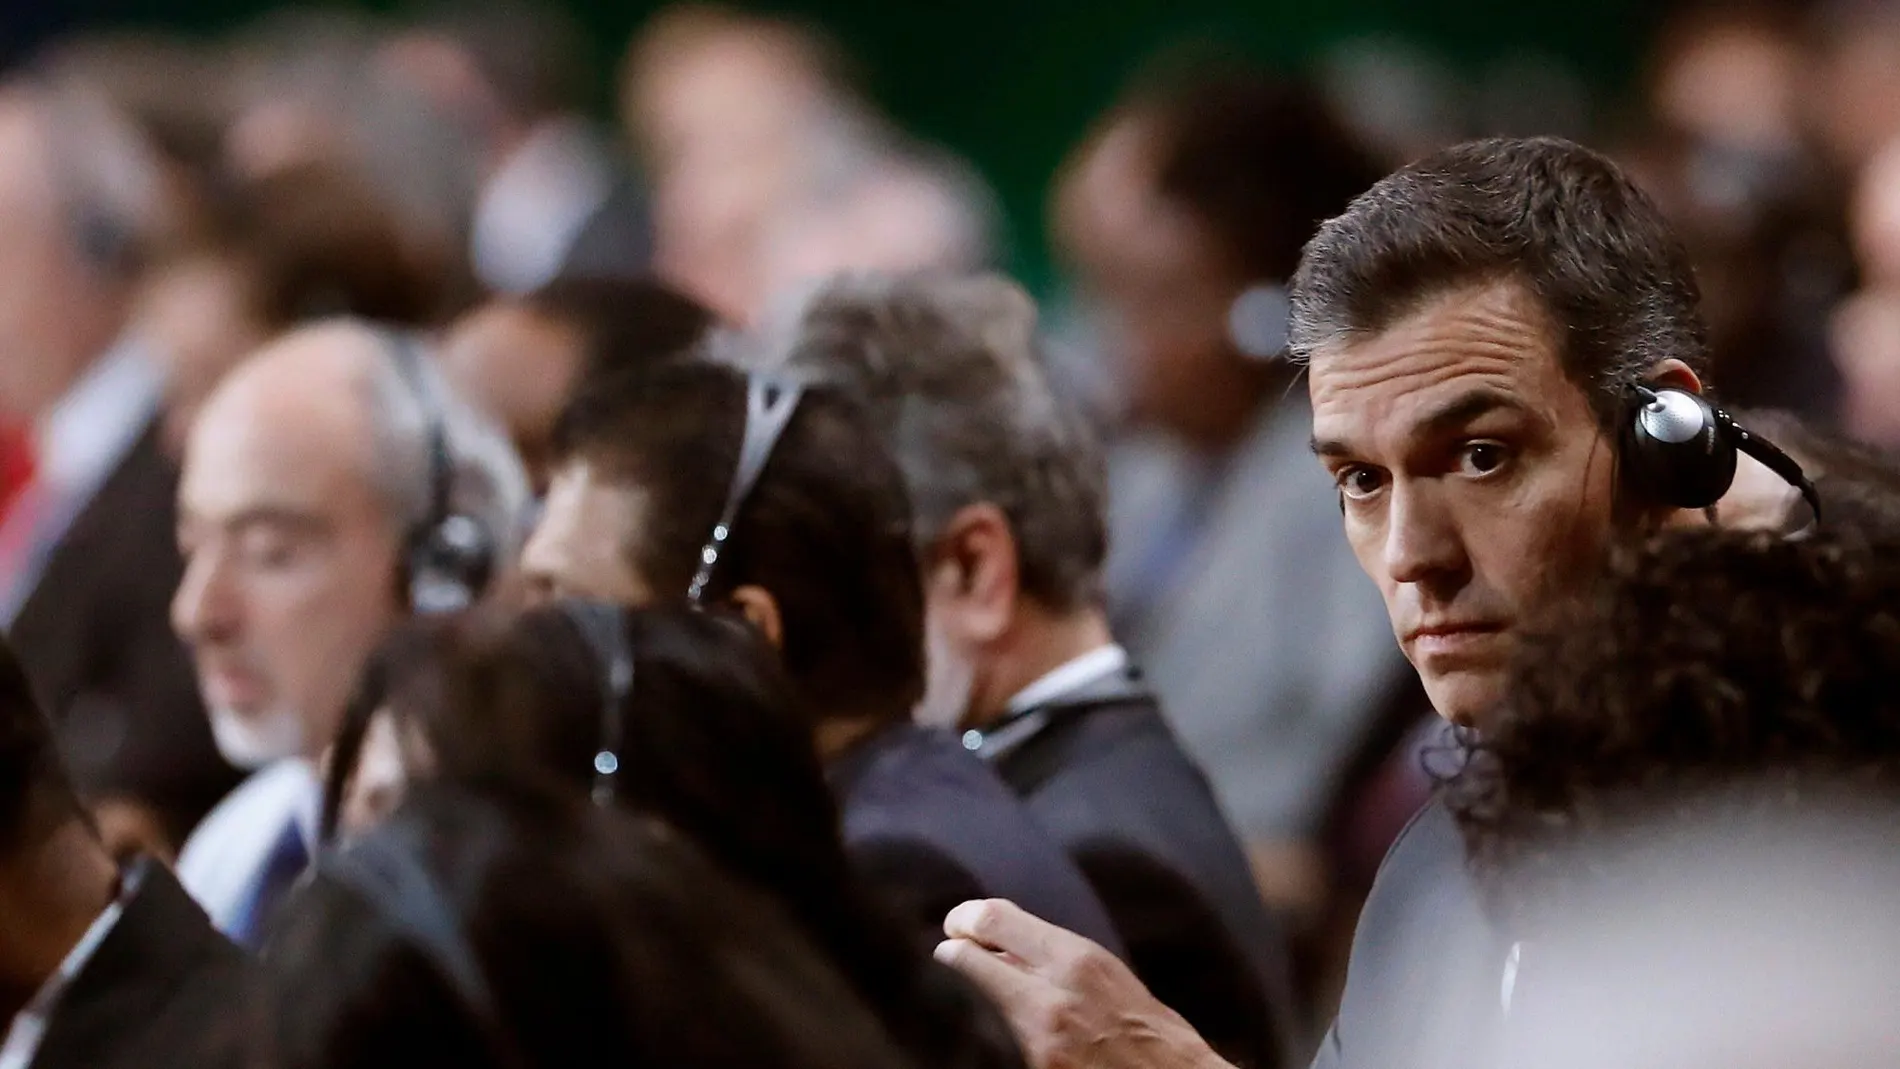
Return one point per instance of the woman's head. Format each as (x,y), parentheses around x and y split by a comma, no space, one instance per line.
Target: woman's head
(1711,676)
(705,736)
(516,929)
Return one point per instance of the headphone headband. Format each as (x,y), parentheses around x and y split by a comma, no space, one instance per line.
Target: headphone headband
(771,402)
(604,627)
(448,556)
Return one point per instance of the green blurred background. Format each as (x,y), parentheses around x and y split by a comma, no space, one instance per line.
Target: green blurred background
(1013,83)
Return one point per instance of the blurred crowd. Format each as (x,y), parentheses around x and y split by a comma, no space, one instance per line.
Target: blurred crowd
(268,298)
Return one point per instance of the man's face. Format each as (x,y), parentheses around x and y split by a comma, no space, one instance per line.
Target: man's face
(1154,273)
(578,548)
(1473,477)
(291,560)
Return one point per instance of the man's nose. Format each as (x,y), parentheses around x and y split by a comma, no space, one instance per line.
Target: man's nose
(203,608)
(1424,543)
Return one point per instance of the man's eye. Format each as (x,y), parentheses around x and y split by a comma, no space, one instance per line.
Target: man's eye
(1482,458)
(1359,483)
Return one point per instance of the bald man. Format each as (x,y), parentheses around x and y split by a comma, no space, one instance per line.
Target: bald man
(305,473)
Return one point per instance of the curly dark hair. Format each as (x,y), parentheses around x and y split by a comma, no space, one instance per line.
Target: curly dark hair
(1712,674)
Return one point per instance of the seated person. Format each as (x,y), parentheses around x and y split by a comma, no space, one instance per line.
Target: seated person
(1683,815)
(1007,494)
(808,537)
(100,967)
(692,718)
(517,930)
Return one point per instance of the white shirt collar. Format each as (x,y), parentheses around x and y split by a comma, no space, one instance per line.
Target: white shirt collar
(1098,663)
(87,431)
(28,1030)
(533,208)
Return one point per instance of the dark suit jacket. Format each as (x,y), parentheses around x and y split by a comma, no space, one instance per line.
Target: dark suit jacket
(617,240)
(929,827)
(1113,785)
(164,989)
(1424,986)
(96,639)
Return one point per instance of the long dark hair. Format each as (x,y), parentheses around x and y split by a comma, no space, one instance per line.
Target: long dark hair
(710,741)
(515,928)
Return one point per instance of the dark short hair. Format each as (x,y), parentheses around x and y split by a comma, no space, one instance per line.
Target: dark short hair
(1555,217)
(1706,662)
(624,324)
(1258,160)
(826,529)
(34,791)
(588,937)
(951,367)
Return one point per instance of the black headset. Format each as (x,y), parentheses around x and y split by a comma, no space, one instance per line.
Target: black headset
(604,627)
(771,400)
(1680,450)
(448,556)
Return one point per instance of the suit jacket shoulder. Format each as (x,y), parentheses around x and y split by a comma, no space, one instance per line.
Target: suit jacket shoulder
(95,637)
(1168,866)
(164,989)
(917,794)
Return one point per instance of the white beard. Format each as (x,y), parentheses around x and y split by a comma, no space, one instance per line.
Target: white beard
(251,742)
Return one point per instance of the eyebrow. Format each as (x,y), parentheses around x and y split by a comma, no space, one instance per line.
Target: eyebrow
(1454,413)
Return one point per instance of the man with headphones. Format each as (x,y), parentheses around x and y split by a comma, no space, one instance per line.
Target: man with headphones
(332,486)
(1505,357)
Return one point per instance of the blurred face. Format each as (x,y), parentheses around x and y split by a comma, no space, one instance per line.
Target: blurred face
(578,550)
(291,562)
(1866,345)
(53,311)
(1473,478)
(519,367)
(1155,274)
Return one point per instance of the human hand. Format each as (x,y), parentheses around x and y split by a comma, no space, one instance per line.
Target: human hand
(1071,1003)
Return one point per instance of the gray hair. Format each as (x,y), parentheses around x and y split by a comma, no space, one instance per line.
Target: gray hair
(487,482)
(951,370)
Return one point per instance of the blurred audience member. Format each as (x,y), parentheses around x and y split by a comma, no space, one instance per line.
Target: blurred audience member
(508,931)
(1728,158)
(86,557)
(1183,216)
(808,538)
(520,358)
(902,211)
(735,116)
(510,77)
(1006,487)
(300,244)
(1852,89)
(700,731)
(100,967)
(1865,330)
(1728,698)
(308,89)
(320,481)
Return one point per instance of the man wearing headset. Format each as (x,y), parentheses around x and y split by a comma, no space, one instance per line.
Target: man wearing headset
(332,485)
(1504,354)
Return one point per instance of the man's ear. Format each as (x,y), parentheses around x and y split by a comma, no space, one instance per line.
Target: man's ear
(974,575)
(1675,375)
(758,605)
